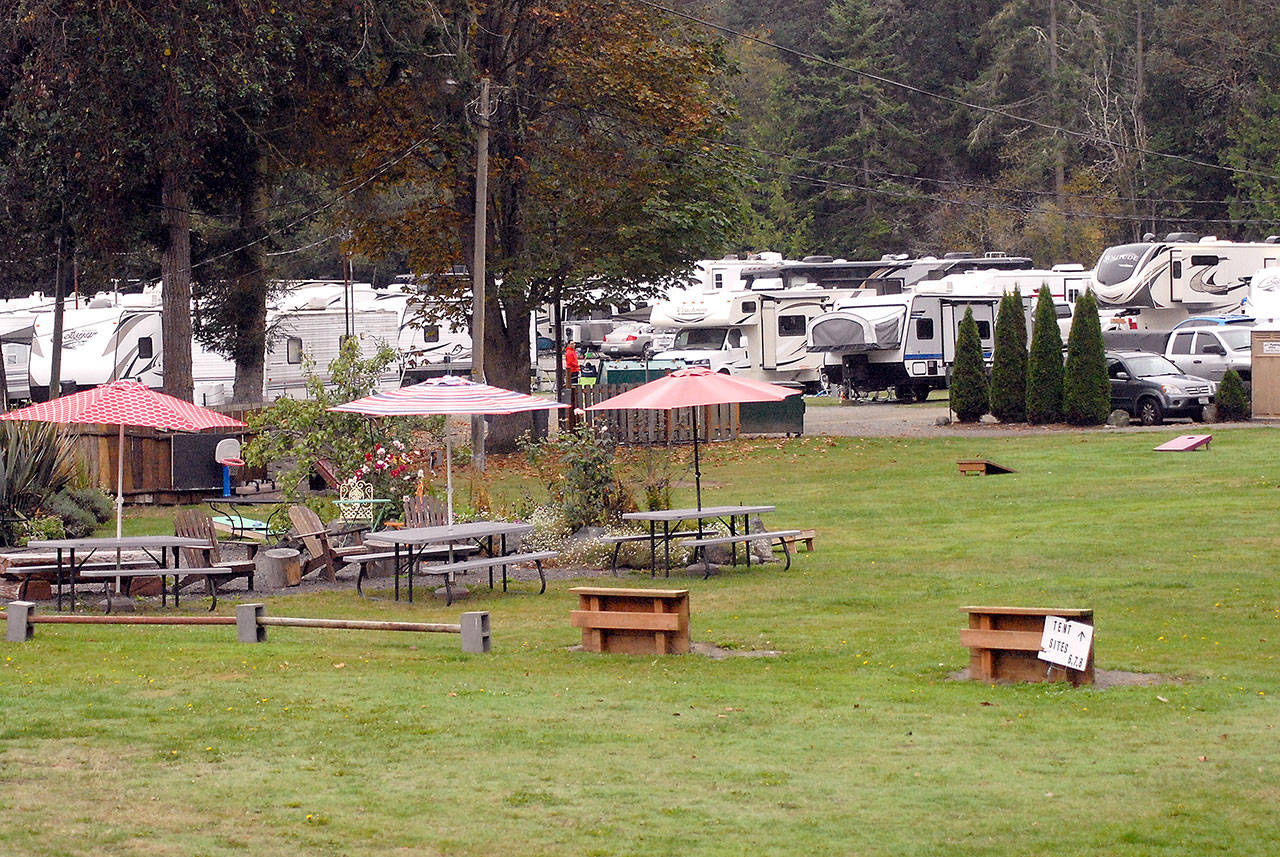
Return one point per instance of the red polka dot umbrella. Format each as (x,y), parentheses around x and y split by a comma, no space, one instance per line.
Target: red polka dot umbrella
(124,403)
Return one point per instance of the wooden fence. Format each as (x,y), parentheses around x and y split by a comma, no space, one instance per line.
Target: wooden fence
(642,426)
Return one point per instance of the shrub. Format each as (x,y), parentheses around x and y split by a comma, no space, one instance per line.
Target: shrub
(1086,391)
(1044,364)
(36,461)
(1009,363)
(43,527)
(95,501)
(1232,399)
(579,468)
(78,521)
(969,393)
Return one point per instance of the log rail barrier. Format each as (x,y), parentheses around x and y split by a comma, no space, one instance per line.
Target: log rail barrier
(251,623)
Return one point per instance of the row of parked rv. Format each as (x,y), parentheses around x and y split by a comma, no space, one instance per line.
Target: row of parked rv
(891,323)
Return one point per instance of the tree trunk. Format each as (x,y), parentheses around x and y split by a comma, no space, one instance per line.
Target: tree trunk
(175,271)
(250,346)
(507,341)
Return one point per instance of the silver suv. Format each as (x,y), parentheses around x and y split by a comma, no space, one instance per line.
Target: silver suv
(1210,350)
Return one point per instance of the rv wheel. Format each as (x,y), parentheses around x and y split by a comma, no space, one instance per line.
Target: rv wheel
(1149,412)
(904,393)
(922,392)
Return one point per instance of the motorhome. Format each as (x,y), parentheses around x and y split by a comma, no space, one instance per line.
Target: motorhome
(905,342)
(890,274)
(1163,282)
(759,335)
(106,342)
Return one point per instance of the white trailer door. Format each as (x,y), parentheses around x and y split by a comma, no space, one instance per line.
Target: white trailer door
(767,334)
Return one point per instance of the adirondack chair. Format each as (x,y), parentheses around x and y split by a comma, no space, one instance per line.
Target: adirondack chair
(323,552)
(197,524)
(424,511)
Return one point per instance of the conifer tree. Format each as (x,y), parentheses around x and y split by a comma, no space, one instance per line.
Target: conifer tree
(969,394)
(1232,399)
(1009,363)
(1044,364)
(1086,392)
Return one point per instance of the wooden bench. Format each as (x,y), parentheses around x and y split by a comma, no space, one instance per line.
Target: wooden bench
(1004,644)
(634,621)
(48,572)
(806,536)
(780,536)
(181,577)
(982,467)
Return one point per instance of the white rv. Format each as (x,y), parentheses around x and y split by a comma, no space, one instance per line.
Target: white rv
(106,343)
(759,335)
(1164,282)
(905,342)
(890,274)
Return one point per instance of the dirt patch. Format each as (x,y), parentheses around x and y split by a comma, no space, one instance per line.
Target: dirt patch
(1103,679)
(718,654)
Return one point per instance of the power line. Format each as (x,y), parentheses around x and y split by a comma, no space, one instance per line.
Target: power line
(958,102)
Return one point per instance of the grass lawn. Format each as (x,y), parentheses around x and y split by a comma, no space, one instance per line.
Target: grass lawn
(179,741)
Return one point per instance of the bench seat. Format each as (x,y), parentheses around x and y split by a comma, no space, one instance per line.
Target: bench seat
(364,560)
(628,538)
(181,576)
(780,536)
(490,562)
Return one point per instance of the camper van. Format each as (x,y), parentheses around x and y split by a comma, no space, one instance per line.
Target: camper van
(1183,275)
(760,335)
(106,343)
(905,342)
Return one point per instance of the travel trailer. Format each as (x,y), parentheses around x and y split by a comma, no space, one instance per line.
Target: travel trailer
(759,335)
(1163,282)
(904,342)
(106,343)
(890,274)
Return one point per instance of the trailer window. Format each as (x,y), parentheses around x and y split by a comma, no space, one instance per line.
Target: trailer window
(748,306)
(984,329)
(293,350)
(791,325)
(924,328)
(1182,343)
(145,348)
(1204,260)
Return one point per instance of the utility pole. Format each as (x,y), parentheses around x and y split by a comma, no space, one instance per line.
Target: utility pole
(55,358)
(477,267)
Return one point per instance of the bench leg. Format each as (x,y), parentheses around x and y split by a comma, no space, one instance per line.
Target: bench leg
(614,566)
(706,564)
(786,551)
(212,586)
(360,580)
(448,591)
(538,563)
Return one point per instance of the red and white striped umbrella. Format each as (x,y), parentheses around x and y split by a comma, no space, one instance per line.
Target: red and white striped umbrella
(124,403)
(446,396)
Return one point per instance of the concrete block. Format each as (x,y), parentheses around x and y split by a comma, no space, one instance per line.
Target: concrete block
(475,632)
(247,628)
(19,623)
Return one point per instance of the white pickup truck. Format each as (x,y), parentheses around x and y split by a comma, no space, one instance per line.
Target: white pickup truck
(1204,348)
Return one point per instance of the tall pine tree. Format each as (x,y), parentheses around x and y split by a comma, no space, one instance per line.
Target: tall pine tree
(1086,391)
(1009,363)
(1044,364)
(969,392)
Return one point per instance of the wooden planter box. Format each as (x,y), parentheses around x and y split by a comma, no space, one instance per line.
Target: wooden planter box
(634,621)
(1004,644)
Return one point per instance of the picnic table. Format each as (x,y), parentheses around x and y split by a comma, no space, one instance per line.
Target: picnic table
(68,569)
(669,517)
(414,545)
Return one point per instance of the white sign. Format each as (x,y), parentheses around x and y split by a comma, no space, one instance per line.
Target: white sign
(1066,643)
(1270,346)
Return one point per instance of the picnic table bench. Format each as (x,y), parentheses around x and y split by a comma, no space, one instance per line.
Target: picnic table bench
(25,568)
(780,536)
(181,577)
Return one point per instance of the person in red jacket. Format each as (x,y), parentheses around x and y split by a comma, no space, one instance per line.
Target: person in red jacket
(571,364)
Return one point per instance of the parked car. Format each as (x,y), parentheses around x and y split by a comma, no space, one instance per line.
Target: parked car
(1149,387)
(636,340)
(1209,349)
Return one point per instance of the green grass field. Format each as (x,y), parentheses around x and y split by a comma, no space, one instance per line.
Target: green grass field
(854,740)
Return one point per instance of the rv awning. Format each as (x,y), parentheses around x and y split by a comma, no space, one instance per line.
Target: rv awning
(17,329)
(850,331)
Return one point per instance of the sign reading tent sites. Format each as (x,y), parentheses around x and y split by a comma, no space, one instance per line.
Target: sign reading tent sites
(1066,643)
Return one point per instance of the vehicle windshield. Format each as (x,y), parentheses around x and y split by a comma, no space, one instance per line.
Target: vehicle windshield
(700,339)
(1151,364)
(1236,338)
(1118,263)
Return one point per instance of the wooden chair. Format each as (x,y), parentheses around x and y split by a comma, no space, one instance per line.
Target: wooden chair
(198,524)
(319,542)
(424,511)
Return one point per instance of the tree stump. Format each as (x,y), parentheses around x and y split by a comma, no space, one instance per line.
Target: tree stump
(277,568)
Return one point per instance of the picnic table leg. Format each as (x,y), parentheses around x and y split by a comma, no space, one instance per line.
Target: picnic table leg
(653,548)
(617,546)
(666,547)
(397,571)
(786,551)
(58,577)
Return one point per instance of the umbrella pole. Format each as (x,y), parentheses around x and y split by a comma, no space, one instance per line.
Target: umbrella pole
(697,470)
(448,471)
(120,485)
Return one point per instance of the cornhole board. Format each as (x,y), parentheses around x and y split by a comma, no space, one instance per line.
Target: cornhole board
(1186,443)
(982,467)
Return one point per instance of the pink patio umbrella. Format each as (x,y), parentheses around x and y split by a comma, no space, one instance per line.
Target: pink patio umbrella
(124,403)
(449,395)
(692,388)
